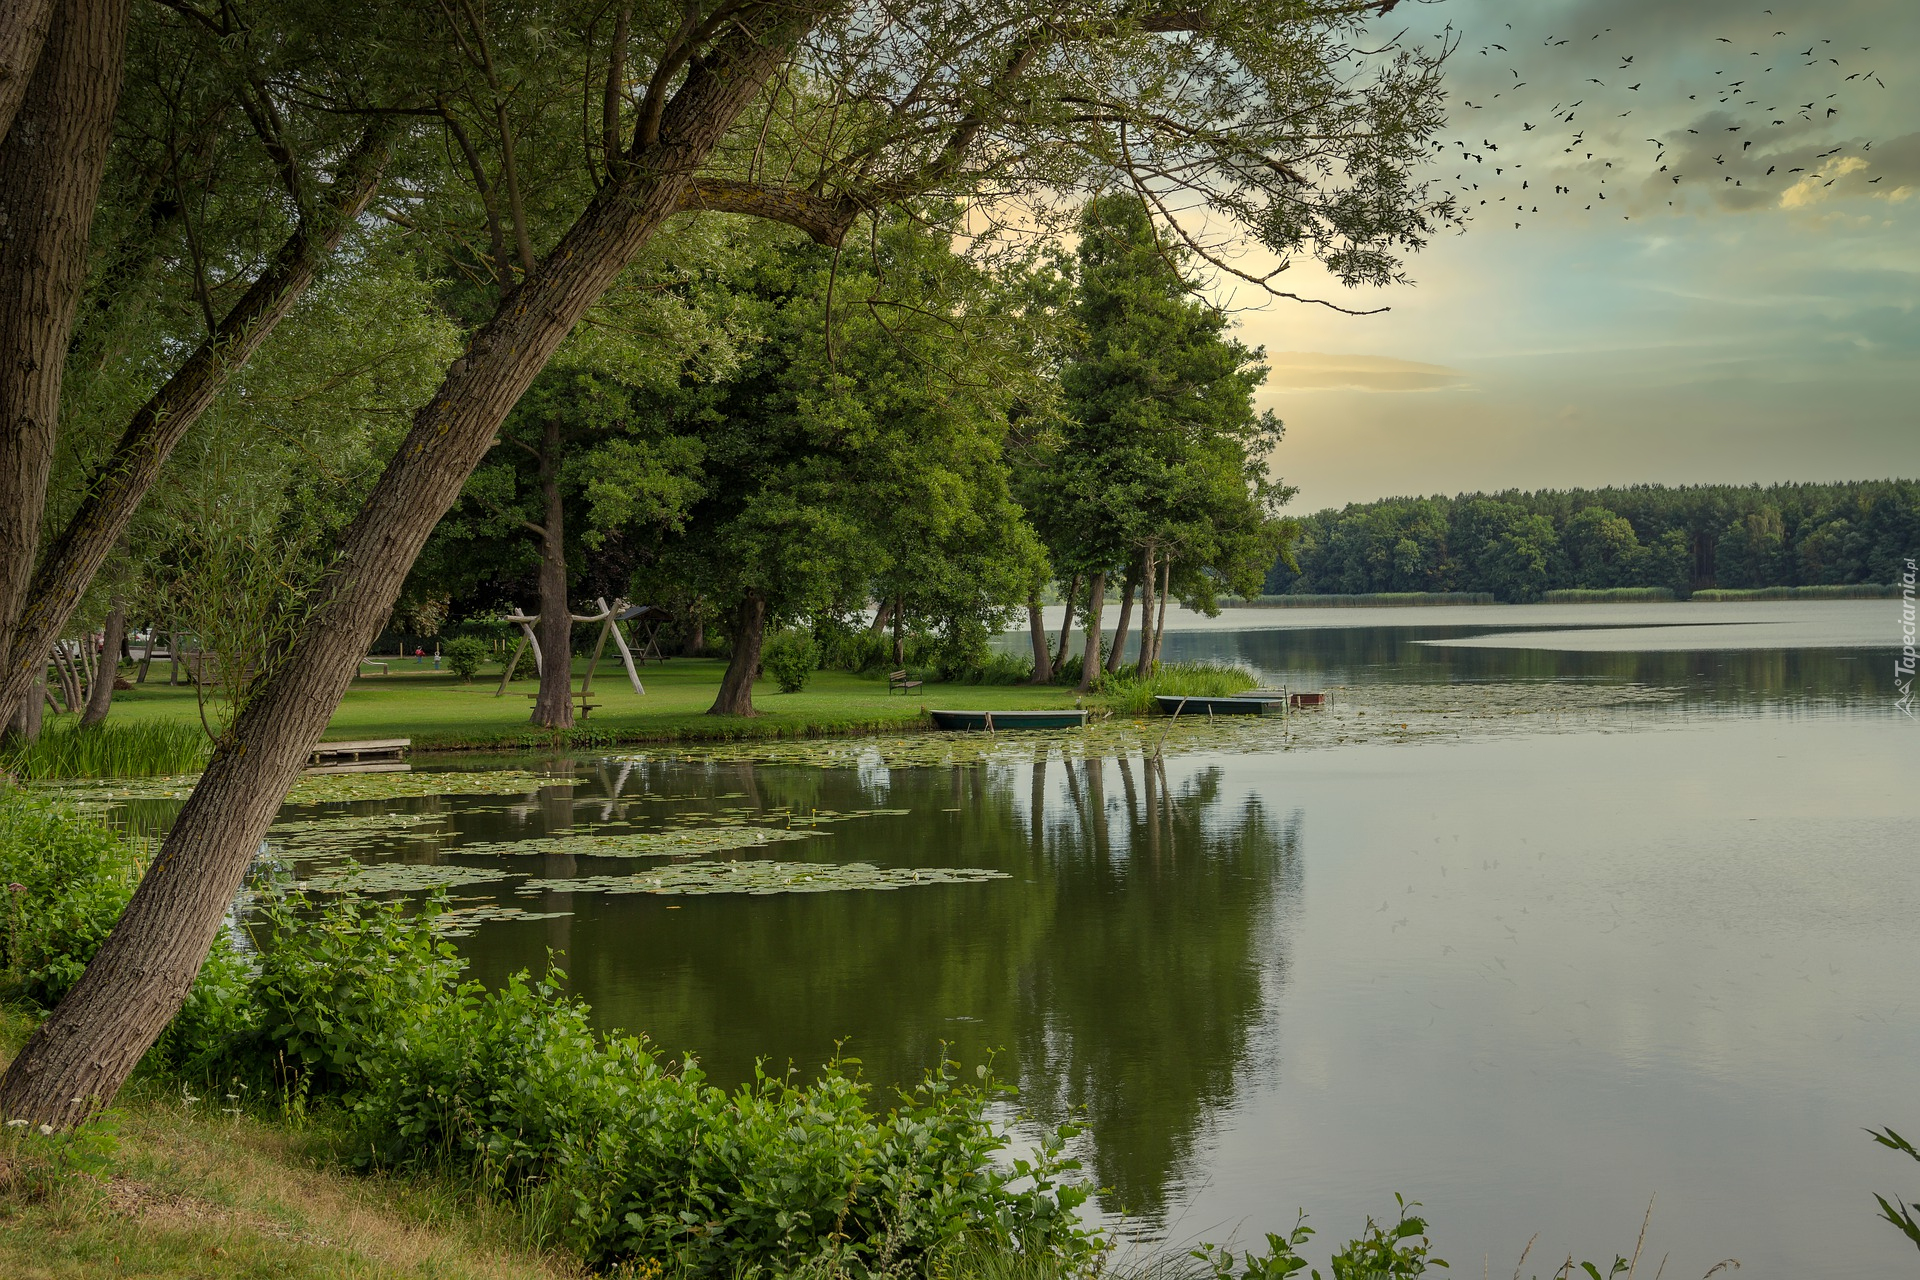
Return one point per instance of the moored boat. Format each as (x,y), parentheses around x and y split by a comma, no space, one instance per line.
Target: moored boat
(1174,704)
(1064,718)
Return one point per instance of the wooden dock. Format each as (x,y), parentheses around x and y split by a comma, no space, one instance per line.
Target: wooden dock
(374,755)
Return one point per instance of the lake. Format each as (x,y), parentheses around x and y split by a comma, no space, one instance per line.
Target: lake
(1553,912)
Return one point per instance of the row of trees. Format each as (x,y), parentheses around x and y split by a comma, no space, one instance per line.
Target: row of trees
(495,188)
(1518,545)
(903,439)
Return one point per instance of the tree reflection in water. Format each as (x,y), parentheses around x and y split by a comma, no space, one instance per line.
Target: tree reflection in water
(1121,976)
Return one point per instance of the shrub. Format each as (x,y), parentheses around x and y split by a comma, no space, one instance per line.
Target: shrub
(113,749)
(67,878)
(609,1148)
(465,655)
(790,657)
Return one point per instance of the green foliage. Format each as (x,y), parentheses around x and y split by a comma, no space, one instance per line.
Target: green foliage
(1380,1252)
(465,655)
(66,879)
(111,749)
(1900,1214)
(790,657)
(1718,541)
(1161,450)
(610,1149)
(1859,591)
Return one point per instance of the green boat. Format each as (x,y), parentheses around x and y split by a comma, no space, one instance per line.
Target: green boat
(1173,704)
(1070,718)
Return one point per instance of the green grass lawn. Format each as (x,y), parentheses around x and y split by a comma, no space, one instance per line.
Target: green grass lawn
(435,710)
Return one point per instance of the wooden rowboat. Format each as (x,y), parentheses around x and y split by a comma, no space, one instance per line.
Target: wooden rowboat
(1069,718)
(1173,704)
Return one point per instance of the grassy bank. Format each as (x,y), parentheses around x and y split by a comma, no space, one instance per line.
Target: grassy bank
(1609,595)
(167,1188)
(1856,591)
(437,711)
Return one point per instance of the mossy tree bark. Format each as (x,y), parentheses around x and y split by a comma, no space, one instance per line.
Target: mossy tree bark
(51,163)
(23,33)
(100,697)
(1090,657)
(736,686)
(78,1058)
(553,708)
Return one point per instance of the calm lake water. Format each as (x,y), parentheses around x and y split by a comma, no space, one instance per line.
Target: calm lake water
(1531,970)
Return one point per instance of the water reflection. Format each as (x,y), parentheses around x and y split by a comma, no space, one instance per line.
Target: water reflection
(1123,974)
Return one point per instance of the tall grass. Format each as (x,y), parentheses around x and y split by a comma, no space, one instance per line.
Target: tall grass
(1848,591)
(1608,595)
(1128,695)
(116,749)
(1361,599)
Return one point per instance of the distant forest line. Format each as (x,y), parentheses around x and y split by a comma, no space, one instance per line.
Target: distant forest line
(1520,545)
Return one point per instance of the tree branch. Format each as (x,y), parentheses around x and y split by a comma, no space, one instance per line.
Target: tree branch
(826,220)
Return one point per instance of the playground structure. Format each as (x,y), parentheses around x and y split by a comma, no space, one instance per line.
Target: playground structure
(609,618)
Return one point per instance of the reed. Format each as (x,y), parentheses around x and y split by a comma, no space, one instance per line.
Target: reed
(116,749)
(1361,599)
(1846,591)
(1128,695)
(1608,595)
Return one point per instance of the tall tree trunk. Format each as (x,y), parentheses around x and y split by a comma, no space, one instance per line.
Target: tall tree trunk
(100,698)
(50,168)
(78,1057)
(1042,660)
(1126,616)
(899,635)
(1066,623)
(696,630)
(23,33)
(1144,667)
(1096,602)
(116,489)
(553,708)
(882,614)
(1166,590)
(25,721)
(736,686)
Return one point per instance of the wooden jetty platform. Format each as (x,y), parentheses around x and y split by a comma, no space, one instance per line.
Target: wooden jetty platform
(373,755)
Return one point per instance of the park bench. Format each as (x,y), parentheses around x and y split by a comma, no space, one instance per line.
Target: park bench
(898,680)
(580,703)
(375,662)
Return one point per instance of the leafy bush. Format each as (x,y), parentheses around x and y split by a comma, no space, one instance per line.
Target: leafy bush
(67,878)
(465,655)
(112,749)
(790,657)
(607,1147)
(1609,595)
(1129,695)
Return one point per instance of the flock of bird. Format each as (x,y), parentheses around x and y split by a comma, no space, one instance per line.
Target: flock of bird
(1773,101)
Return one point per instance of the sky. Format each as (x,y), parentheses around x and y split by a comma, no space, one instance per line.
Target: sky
(1759,332)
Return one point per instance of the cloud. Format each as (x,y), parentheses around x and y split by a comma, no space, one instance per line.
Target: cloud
(1319,371)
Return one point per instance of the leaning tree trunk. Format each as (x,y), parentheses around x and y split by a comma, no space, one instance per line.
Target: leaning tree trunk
(1042,660)
(1166,591)
(1144,667)
(117,488)
(100,697)
(23,33)
(79,1056)
(736,686)
(899,635)
(1126,617)
(51,163)
(1096,602)
(1066,623)
(553,708)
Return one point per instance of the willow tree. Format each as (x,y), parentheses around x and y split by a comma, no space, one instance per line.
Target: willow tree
(1289,122)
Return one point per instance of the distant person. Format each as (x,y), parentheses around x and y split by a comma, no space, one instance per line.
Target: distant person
(419,656)
(436,655)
